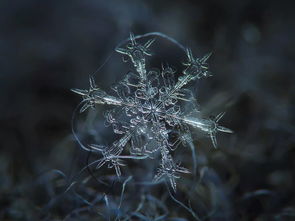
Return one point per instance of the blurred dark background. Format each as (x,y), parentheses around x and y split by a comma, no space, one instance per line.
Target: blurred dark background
(49,47)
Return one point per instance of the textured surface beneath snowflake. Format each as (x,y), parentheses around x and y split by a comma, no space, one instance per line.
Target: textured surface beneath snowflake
(148,111)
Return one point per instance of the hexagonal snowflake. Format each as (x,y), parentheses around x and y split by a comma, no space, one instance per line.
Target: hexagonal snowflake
(155,121)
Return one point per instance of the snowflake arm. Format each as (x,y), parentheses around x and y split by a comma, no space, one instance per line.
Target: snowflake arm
(137,52)
(169,170)
(95,95)
(196,68)
(209,126)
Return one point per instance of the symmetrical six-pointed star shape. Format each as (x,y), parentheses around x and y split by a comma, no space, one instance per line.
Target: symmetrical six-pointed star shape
(149,114)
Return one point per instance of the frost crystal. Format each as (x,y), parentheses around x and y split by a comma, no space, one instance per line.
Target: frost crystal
(155,121)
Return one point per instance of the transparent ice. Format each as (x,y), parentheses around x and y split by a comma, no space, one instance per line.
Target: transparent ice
(155,120)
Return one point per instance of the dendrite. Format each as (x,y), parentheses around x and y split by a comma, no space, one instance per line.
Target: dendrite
(154,122)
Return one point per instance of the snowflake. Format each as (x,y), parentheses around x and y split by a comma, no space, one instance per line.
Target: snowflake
(154,120)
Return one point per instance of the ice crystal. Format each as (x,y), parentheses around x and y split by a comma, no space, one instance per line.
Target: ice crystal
(155,120)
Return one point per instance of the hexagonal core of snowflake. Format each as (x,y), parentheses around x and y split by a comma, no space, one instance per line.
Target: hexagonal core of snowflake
(146,111)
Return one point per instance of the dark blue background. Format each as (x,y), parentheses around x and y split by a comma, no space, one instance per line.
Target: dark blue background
(49,47)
